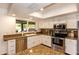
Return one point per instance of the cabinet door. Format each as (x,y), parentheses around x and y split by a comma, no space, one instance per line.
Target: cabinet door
(46,25)
(41,25)
(25,43)
(30,41)
(71,24)
(50,24)
(47,40)
(33,41)
(71,46)
(21,44)
(43,39)
(38,39)
(12,46)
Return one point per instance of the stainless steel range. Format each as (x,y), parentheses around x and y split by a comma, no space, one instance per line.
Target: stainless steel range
(58,37)
(57,41)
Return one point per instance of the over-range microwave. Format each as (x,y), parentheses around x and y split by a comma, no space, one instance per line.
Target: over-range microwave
(60,26)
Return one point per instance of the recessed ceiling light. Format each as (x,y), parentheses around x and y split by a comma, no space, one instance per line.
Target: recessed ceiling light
(42,9)
(13,15)
(31,17)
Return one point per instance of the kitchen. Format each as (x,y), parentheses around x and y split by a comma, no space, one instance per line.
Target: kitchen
(29,29)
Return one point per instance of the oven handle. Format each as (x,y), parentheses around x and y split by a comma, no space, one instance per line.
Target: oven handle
(58,37)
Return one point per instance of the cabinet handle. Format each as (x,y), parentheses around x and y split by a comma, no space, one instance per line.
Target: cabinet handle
(11,50)
(11,46)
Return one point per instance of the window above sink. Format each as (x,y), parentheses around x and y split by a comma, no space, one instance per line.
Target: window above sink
(25,26)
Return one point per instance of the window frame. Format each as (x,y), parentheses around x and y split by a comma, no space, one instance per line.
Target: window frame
(26,22)
(21,22)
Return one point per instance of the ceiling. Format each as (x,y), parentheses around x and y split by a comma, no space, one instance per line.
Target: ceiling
(4,5)
(24,9)
(28,10)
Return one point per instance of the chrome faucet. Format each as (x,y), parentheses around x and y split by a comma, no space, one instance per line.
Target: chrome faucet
(22,33)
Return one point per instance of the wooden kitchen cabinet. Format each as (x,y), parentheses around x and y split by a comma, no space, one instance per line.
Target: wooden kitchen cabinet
(21,44)
(71,46)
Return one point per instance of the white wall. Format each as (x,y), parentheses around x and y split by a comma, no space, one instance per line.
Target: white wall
(3,11)
(7,26)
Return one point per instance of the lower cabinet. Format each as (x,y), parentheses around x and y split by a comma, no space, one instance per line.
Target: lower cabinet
(40,39)
(12,47)
(71,46)
(16,45)
(33,41)
(46,40)
(21,44)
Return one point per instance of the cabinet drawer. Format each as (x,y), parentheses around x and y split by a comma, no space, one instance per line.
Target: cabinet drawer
(11,46)
(11,52)
(71,50)
(11,42)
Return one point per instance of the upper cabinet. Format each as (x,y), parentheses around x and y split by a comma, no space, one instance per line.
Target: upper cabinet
(72,24)
(31,26)
(49,24)
(46,25)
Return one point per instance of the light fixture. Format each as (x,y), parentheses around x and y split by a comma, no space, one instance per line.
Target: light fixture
(31,18)
(42,9)
(13,15)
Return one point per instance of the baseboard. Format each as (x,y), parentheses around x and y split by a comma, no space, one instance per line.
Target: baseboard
(46,45)
(77,53)
(67,54)
(5,54)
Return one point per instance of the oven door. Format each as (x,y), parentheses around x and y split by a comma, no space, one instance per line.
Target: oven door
(57,41)
(61,34)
